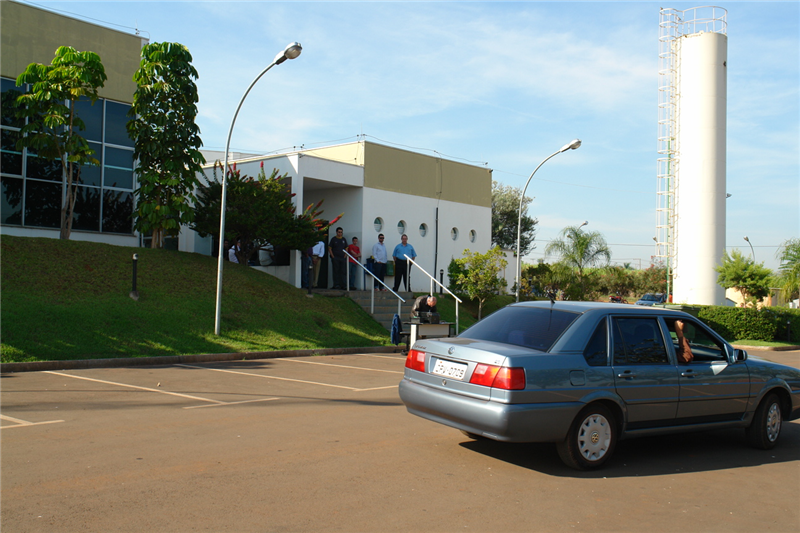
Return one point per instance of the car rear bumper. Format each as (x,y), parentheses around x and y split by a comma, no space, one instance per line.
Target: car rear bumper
(547,422)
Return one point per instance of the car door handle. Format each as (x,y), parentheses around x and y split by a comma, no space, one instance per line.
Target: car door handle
(688,374)
(626,375)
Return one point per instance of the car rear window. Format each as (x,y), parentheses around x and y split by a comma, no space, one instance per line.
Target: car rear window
(523,326)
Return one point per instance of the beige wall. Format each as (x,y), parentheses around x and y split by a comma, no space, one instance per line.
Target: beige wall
(392,169)
(32,35)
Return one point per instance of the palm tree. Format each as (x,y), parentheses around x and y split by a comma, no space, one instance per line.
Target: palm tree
(789,270)
(580,249)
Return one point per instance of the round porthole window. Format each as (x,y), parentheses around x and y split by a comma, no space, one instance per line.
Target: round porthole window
(472,235)
(454,234)
(401,227)
(378,224)
(423,230)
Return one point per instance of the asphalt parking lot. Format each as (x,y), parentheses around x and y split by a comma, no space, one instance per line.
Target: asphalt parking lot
(324,444)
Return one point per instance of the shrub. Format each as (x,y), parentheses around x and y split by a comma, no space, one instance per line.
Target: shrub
(740,323)
(782,316)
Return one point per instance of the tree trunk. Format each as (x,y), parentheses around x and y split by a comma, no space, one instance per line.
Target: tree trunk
(158,238)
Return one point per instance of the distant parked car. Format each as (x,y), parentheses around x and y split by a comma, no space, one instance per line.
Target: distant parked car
(585,374)
(652,299)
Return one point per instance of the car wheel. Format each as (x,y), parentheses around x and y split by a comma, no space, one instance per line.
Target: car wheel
(765,429)
(591,439)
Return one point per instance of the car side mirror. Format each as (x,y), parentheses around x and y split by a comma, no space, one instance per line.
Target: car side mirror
(739,356)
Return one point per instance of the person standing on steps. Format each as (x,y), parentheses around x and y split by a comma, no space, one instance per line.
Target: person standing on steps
(354,251)
(336,248)
(379,265)
(400,264)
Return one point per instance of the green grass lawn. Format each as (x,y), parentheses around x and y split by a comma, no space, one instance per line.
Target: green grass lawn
(70,300)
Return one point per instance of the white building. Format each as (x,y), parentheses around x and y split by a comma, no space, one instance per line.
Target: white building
(443,206)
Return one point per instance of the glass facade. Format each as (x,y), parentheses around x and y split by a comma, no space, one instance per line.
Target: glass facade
(33,187)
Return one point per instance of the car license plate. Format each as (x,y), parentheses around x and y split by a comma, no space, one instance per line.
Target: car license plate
(450,369)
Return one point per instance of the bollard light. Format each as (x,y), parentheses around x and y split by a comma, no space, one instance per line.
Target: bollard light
(134,293)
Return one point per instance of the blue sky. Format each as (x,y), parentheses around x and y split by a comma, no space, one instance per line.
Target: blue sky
(501,84)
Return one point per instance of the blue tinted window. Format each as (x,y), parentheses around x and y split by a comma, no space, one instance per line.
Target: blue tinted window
(524,326)
(87,209)
(11,157)
(10,92)
(116,123)
(638,341)
(118,168)
(90,174)
(596,352)
(92,117)
(117,212)
(42,204)
(11,201)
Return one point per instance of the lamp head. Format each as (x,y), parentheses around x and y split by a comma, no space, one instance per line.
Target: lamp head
(574,145)
(290,52)
(745,238)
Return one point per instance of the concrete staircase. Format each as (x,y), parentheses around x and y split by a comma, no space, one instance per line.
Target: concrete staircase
(385,305)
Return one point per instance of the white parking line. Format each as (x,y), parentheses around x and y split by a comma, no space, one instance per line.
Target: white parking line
(214,402)
(353,389)
(24,423)
(267,377)
(134,387)
(339,366)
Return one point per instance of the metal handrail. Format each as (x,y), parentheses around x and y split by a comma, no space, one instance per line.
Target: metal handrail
(434,280)
(371,292)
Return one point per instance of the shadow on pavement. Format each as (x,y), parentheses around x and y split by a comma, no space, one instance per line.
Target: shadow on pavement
(653,456)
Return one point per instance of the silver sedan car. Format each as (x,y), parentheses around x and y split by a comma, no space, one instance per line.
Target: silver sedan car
(583,375)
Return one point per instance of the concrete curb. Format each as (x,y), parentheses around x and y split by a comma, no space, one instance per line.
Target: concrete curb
(39,366)
(766,348)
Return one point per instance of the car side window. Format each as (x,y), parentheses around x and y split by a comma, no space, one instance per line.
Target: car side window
(596,352)
(705,348)
(638,341)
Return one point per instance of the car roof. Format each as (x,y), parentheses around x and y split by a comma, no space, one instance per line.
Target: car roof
(583,307)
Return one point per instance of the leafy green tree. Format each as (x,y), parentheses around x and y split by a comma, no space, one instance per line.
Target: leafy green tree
(505,213)
(743,274)
(259,212)
(580,250)
(52,120)
(479,275)
(167,140)
(651,279)
(789,269)
(615,279)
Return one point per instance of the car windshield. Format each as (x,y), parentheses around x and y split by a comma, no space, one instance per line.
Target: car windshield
(649,297)
(531,327)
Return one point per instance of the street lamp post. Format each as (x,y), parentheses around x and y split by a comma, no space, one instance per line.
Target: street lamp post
(571,146)
(290,52)
(752,252)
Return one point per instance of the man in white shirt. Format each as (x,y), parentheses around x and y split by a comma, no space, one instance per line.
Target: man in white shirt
(317,253)
(379,264)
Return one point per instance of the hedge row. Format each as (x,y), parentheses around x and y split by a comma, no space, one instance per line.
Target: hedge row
(767,324)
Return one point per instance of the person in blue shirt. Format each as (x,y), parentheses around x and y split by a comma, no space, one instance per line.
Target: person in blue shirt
(400,263)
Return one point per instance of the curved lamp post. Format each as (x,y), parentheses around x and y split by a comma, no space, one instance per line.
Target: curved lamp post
(571,146)
(290,52)
(752,252)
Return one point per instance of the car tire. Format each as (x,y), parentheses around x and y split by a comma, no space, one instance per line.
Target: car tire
(765,429)
(591,438)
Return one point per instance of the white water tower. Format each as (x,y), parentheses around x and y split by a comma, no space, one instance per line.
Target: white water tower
(690,223)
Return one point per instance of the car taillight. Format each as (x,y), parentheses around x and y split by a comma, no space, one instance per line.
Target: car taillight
(415,360)
(499,377)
